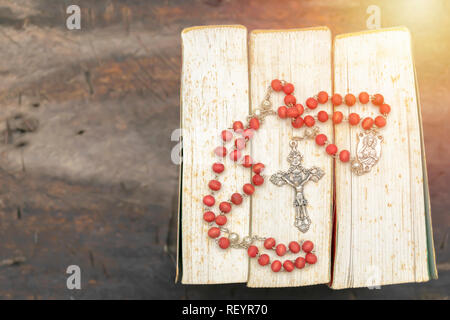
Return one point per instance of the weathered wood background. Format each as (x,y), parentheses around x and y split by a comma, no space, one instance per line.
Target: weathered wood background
(86,120)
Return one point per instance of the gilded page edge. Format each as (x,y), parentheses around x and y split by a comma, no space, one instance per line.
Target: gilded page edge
(323,28)
(237,26)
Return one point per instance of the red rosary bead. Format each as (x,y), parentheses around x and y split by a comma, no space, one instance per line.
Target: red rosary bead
(209,200)
(269,243)
(288,88)
(353,119)
(385,108)
(218,167)
(292,112)
(363,97)
(209,216)
(214,232)
(280,249)
(226,135)
(331,149)
(380,121)
(276,85)
(322,97)
(238,126)
(378,99)
(337,117)
(297,122)
(220,151)
(322,116)
(289,100)
(336,99)
(300,109)
(248,133)
(307,246)
(276,266)
(367,123)
(247,163)
(288,265)
(224,243)
(311,103)
(311,258)
(254,123)
(235,155)
(221,220)
(350,99)
(294,247)
(344,156)
(214,185)
(300,263)
(225,207)
(309,121)
(264,259)
(282,112)
(252,251)
(248,189)
(240,143)
(258,168)
(257,180)
(321,139)
(236,198)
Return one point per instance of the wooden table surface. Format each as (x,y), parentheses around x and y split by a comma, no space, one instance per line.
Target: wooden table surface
(86,119)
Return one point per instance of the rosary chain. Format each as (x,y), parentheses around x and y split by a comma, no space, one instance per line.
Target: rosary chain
(265,107)
(265,110)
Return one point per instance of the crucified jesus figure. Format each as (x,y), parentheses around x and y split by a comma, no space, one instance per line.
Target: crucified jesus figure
(297,176)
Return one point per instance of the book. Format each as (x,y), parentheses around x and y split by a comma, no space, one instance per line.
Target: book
(368,230)
(383,227)
(288,54)
(214,92)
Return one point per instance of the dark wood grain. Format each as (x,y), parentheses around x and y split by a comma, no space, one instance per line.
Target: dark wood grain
(94,184)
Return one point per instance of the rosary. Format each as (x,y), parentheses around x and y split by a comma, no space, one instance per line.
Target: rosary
(368,151)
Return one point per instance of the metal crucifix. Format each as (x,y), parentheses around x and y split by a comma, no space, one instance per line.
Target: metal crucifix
(297,176)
